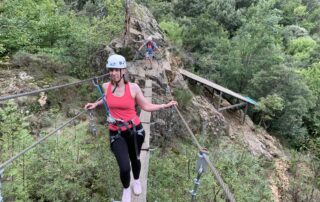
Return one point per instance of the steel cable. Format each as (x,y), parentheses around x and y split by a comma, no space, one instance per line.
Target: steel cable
(3,98)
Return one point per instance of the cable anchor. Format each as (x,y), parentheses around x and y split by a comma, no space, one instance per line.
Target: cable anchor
(201,167)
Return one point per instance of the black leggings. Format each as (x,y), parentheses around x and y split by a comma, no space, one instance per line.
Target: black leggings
(123,149)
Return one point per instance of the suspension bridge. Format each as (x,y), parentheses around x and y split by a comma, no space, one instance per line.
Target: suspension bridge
(145,119)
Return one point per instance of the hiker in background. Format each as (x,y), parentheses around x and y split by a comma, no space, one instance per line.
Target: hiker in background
(126,133)
(151,46)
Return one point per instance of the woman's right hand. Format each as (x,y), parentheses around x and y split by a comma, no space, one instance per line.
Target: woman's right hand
(90,106)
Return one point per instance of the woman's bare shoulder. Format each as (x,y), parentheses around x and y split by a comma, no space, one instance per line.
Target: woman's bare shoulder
(134,87)
(105,86)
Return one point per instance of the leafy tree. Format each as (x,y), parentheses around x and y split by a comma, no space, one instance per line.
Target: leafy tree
(312,78)
(288,7)
(190,8)
(226,14)
(256,46)
(173,31)
(47,26)
(268,107)
(291,32)
(301,47)
(297,97)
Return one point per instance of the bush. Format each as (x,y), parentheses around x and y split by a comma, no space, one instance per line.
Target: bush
(183,96)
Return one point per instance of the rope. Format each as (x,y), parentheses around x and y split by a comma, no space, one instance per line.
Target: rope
(212,167)
(38,142)
(2,98)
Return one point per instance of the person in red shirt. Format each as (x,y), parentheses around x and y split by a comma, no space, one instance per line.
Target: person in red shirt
(151,47)
(121,97)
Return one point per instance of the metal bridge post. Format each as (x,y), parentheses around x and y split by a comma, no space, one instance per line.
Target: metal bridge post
(1,175)
(201,168)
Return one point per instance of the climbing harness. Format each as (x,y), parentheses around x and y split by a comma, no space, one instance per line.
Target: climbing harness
(201,168)
(1,176)
(119,122)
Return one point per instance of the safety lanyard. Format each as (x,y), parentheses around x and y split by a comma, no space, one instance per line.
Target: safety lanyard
(110,119)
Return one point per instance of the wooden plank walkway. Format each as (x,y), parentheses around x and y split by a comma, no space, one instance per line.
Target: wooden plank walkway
(144,155)
(215,86)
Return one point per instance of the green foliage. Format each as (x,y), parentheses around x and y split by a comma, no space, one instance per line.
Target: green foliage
(268,107)
(226,14)
(243,172)
(47,26)
(314,148)
(183,96)
(312,78)
(301,47)
(190,8)
(173,31)
(305,175)
(2,49)
(14,137)
(73,166)
(170,181)
(298,99)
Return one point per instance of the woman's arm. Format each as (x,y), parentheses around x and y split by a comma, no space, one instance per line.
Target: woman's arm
(145,104)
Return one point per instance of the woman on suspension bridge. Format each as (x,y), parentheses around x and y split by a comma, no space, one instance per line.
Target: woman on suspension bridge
(125,128)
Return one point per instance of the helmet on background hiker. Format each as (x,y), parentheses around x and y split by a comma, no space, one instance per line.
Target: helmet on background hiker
(116,61)
(149,38)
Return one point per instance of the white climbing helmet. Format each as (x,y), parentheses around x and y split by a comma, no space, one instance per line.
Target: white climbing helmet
(116,61)
(149,38)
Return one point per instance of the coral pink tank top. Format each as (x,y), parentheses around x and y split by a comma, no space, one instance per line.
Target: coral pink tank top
(122,107)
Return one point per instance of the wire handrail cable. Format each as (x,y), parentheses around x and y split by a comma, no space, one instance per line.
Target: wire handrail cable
(3,98)
(212,167)
(38,142)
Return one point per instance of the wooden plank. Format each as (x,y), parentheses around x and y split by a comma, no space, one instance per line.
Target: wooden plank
(144,155)
(233,106)
(215,86)
(145,116)
(148,83)
(148,92)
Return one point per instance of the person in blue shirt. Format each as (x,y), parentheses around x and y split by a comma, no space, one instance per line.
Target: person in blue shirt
(151,47)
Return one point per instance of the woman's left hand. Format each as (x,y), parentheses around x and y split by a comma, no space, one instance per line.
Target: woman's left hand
(171,103)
